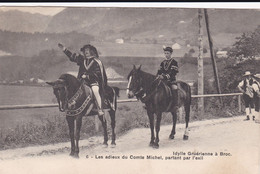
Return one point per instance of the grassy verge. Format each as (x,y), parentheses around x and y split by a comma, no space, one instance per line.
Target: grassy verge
(54,129)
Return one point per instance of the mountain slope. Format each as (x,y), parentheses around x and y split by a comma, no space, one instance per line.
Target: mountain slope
(18,21)
(148,23)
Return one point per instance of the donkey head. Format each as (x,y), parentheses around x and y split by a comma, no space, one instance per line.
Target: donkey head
(134,82)
(60,92)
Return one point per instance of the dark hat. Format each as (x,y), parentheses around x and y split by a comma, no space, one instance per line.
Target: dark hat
(93,50)
(168,49)
(85,47)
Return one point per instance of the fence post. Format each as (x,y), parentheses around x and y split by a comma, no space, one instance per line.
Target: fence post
(239,103)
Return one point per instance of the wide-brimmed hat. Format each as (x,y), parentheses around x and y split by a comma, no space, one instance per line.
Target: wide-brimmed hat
(247,73)
(257,76)
(93,50)
(168,49)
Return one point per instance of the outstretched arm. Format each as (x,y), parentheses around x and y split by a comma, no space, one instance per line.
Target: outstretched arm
(72,56)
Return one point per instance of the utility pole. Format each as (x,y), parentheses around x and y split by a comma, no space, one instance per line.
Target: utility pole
(200,68)
(212,54)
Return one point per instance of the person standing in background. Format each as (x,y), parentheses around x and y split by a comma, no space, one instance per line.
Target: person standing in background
(245,86)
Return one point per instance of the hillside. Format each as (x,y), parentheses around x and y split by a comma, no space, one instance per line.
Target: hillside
(49,65)
(18,21)
(162,24)
(31,44)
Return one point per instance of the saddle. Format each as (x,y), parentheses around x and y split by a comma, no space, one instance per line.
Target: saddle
(84,99)
(170,92)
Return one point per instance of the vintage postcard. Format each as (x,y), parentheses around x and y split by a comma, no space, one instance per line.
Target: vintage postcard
(129,88)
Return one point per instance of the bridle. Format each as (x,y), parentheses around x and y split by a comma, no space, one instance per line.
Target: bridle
(140,93)
(58,87)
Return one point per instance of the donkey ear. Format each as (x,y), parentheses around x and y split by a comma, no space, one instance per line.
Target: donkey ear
(139,67)
(50,83)
(134,67)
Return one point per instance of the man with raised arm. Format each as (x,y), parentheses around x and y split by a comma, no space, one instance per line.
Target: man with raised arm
(91,71)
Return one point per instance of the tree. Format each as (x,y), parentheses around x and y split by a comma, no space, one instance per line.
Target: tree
(246,46)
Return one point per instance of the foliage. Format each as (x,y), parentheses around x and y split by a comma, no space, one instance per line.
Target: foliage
(232,74)
(246,46)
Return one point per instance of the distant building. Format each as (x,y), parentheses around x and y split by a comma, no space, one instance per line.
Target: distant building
(221,54)
(20,81)
(112,74)
(3,53)
(119,41)
(176,46)
(161,36)
(40,81)
(257,57)
(36,80)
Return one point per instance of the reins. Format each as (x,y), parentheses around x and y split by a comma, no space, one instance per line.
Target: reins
(145,97)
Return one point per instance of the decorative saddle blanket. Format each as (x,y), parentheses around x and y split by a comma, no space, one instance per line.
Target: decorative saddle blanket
(83,101)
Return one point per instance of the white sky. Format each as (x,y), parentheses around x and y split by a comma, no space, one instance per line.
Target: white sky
(42,10)
(54,8)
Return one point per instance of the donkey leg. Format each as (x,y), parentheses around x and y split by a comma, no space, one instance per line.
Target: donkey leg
(78,127)
(174,120)
(187,119)
(70,121)
(151,119)
(104,125)
(113,125)
(158,123)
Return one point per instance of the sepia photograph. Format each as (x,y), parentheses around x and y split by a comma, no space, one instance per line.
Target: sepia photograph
(129,88)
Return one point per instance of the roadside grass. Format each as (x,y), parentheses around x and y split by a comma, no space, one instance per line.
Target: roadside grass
(54,128)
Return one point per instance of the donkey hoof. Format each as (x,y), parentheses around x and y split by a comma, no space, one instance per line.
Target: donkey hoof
(104,145)
(171,137)
(113,145)
(156,145)
(185,137)
(151,144)
(75,155)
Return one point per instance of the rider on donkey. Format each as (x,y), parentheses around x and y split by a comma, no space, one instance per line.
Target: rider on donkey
(168,71)
(91,71)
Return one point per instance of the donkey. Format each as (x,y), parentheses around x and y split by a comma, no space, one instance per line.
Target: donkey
(76,101)
(158,98)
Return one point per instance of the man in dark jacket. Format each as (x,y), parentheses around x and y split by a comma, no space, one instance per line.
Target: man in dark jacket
(91,70)
(168,70)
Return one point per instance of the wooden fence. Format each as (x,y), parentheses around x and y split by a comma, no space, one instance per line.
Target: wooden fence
(32,106)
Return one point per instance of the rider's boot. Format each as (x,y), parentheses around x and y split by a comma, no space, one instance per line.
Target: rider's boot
(175,93)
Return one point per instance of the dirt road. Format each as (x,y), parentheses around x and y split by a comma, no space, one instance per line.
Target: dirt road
(228,145)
